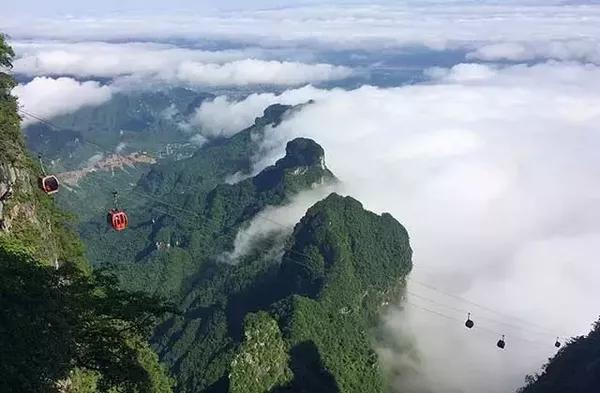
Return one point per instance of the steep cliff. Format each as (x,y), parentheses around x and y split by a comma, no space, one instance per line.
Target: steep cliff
(28,217)
(63,327)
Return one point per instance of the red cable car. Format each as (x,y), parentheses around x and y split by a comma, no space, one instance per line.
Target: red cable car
(116,217)
(47,183)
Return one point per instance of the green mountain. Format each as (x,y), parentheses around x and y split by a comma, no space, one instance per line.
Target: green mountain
(63,327)
(186,206)
(342,263)
(168,244)
(212,164)
(299,314)
(140,121)
(574,369)
(146,121)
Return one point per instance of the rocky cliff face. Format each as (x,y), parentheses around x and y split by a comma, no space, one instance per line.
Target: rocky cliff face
(8,177)
(28,217)
(25,217)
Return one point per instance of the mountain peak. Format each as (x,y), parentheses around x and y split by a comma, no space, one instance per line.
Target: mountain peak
(302,152)
(339,233)
(273,114)
(302,166)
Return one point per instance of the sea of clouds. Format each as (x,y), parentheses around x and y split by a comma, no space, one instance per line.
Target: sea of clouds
(281,46)
(491,164)
(494,171)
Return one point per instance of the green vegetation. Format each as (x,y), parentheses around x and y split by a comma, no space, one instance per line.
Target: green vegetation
(169,242)
(10,132)
(28,217)
(575,368)
(261,363)
(211,164)
(313,314)
(342,263)
(144,121)
(62,326)
(56,320)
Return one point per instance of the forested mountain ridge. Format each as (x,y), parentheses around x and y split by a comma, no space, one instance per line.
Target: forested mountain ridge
(63,327)
(214,162)
(574,369)
(172,235)
(341,264)
(344,263)
(190,266)
(139,121)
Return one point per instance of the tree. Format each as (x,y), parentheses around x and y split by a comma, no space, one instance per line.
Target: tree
(6,56)
(6,53)
(261,363)
(55,321)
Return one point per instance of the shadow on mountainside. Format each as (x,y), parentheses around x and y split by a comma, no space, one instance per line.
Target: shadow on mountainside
(310,375)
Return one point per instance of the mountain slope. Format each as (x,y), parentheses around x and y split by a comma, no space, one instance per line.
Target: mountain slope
(213,162)
(574,369)
(169,241)
(63,327)
(342,263)
(184,218)
(141,121)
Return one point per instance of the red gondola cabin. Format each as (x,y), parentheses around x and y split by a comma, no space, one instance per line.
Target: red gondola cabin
(117,219)
(48,184)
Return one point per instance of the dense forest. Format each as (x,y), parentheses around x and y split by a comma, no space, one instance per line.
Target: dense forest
(324,292)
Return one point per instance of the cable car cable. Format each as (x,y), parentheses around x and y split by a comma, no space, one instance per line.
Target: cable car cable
(258,216)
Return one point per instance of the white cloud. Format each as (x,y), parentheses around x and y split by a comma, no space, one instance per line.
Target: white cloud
(198,140)
(582,49)
(275,222)
(142,63)
(462,73)
(224,116)
(103,59)
(494,172)
(258,72)
(569,31)
(49,97)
